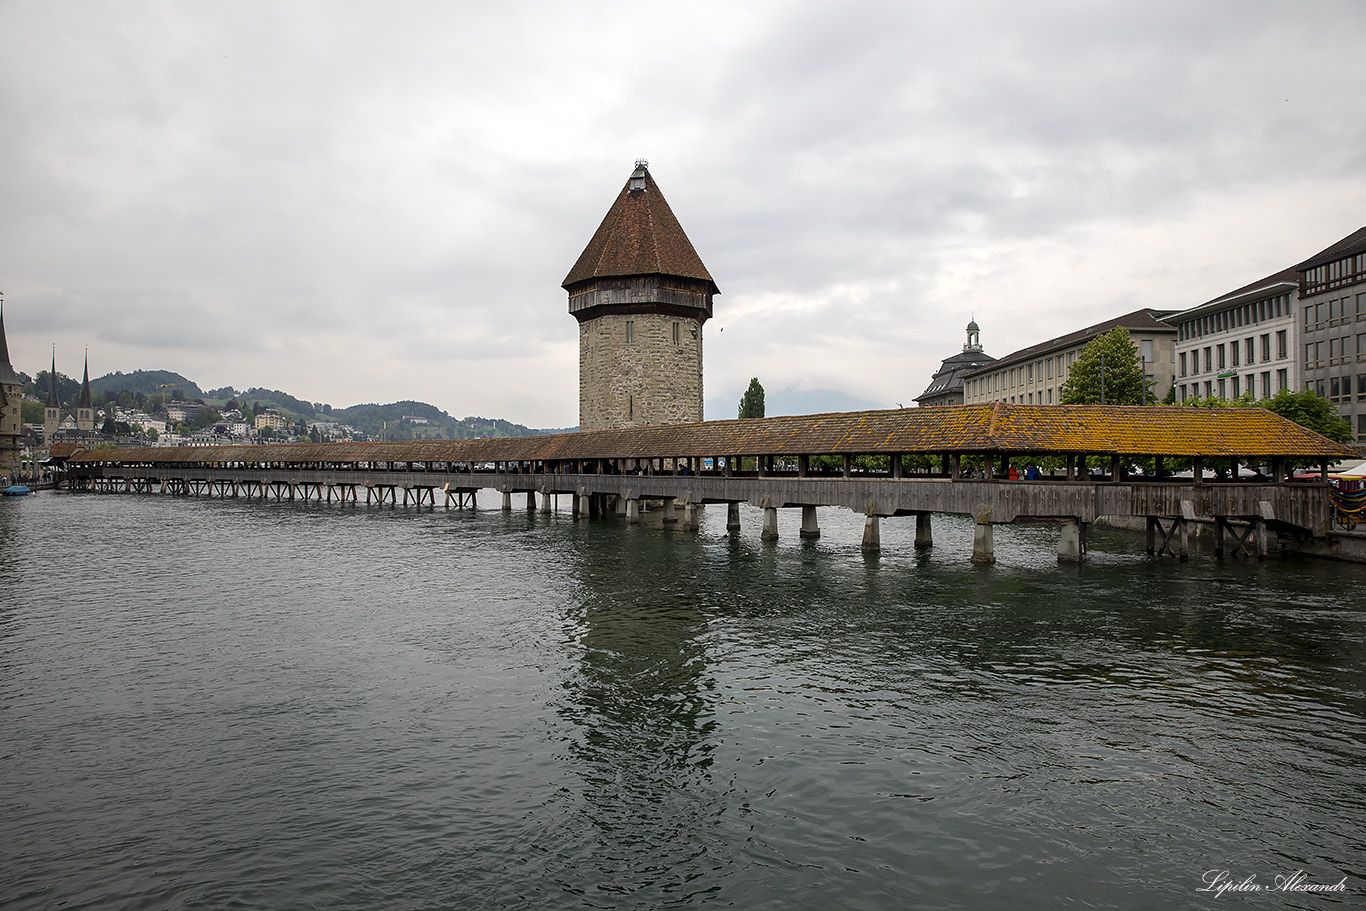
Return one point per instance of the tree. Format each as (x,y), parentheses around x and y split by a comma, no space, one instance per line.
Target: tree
(31,412)
(1311,410)
(1120,381)
(752,403)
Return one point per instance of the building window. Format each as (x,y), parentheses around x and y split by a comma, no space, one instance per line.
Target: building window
(1249,349)
(677,334)
(1235,385)
(630,405)
(1282,380)
(1209,361)
(1361,387)
(1182,360)
(1266,348)
(1233,350)
(1223,389)
(1361,426)
(1146,349)
(1220,350)
(1282,345)
(630,332)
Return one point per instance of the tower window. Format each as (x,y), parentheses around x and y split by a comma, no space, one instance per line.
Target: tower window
(630,408)
(630,332)
(677,335)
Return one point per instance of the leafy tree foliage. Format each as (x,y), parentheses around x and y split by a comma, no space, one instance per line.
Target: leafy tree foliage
(31,412)
(68,390)
(1119,382)
(1311,410)
(752,403)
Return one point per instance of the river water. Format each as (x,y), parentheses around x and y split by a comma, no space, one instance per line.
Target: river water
(224,704)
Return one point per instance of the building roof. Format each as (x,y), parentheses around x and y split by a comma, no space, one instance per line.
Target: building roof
(1145,320)
(7,374)
(1350,245)
(639,236)
(998,428)
(949,376)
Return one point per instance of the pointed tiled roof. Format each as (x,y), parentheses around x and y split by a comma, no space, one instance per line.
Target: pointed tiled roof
(639,236)
(85,387)
(53,400)
(7,375)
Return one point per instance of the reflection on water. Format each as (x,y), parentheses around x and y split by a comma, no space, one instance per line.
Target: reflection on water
(210,703)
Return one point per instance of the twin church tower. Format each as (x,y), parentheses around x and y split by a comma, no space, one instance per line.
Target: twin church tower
(641,294)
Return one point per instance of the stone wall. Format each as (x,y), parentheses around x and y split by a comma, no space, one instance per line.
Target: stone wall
(11,429)
(638,370)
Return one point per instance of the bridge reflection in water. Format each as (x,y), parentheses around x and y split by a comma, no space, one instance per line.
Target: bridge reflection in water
(679,467)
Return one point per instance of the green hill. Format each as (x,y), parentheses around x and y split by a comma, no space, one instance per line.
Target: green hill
(392,421)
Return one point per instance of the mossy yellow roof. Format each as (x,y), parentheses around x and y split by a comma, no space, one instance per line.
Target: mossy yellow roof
(1024,429)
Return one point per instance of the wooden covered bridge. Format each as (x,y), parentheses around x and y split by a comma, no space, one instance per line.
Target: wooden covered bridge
(879,463)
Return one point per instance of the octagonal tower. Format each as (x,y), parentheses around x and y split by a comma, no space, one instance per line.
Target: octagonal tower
(641,295)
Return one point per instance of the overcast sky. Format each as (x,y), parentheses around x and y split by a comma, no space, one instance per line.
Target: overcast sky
(378,201)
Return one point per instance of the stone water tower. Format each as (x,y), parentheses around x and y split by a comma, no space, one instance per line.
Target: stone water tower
(641,295)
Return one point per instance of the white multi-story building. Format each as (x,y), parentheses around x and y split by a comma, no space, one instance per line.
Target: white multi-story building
(1241,343)
(1332,324)
(1034,375)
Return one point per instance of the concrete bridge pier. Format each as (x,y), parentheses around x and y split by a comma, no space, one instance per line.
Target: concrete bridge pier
(872,535)
(632,511)
(983,542)
(507,501)
(924,540)
(733,516)
(810,527)
(670,513)
(1072,542)
(689,517)
(770,530)
(531,501)
(545,502)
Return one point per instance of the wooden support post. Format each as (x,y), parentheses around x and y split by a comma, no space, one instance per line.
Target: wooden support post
(670,515)
(1153,528)
(896,465)
(872,535)
(848,464)
(1115,468)
(1198,470)
(1187,514)
(803,465)
(732,516)
(1220,526)
(924,537)
(810,527)
(955,466)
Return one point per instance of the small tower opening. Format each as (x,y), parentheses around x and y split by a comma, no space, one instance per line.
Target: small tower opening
(638,175)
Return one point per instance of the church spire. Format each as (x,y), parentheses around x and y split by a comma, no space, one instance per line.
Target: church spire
(53,400)
(85,385)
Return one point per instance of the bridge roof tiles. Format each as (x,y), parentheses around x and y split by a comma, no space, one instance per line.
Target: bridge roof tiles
(1003,428)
